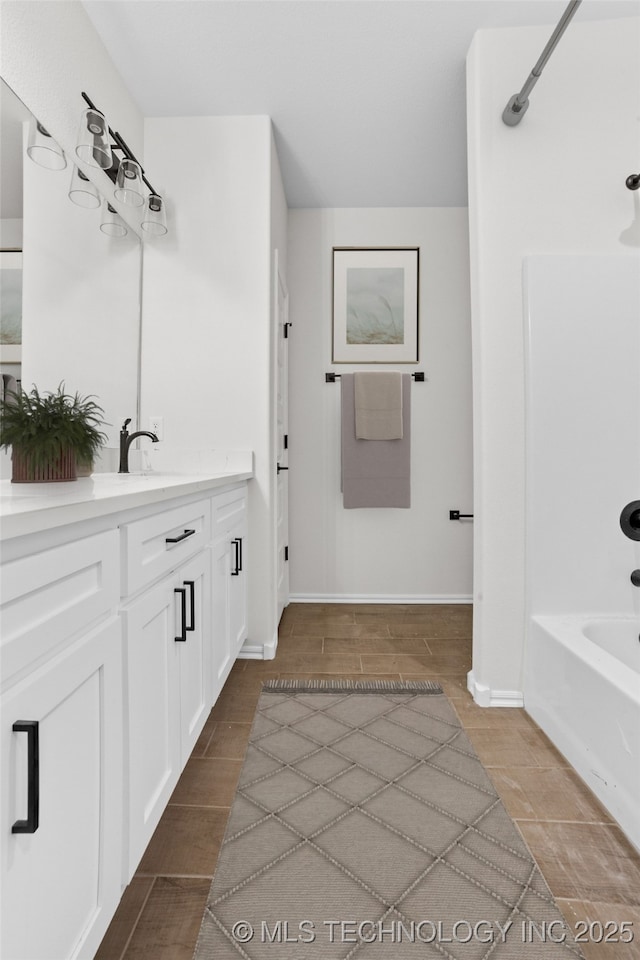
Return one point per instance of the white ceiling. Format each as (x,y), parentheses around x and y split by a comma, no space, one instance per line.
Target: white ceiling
(367,98)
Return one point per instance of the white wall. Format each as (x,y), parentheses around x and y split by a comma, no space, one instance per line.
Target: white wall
(416,554)
(207,309)
(278,253)
(80,300)
(583,433)
(555,183)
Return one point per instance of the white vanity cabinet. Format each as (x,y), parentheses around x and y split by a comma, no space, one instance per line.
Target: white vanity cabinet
(61,750)
(123,609)
(229,522)
(169,646)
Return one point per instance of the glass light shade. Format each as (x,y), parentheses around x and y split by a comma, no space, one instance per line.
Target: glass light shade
(82,191)
(93,139)
(43,149)
(129,183)
(111,223)
(154,220)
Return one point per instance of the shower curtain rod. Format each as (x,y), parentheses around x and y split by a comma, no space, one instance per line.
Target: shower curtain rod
(519,102)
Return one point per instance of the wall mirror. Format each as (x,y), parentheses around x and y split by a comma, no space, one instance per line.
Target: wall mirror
(80,291)
(13,114)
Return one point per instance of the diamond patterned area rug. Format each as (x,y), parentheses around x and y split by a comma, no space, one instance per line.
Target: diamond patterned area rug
(364,826)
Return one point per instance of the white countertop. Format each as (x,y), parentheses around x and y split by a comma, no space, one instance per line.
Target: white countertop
(29,508)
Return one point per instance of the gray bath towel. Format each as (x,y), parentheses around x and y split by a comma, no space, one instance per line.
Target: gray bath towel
(378,406)
(375,473)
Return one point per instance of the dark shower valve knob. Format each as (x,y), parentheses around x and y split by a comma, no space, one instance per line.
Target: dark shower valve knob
(630,520)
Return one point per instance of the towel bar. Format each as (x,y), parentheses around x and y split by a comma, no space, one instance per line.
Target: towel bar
(418,376)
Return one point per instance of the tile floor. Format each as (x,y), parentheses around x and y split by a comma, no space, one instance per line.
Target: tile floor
(591,869)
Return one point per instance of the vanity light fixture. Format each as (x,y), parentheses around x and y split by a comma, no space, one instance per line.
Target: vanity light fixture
(127,175)
(154,220)
(111,223)
(82,191)
(43,149)
(93,139)
(129,183)
(98,146)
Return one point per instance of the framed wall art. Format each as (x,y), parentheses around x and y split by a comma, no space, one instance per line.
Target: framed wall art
(375,304)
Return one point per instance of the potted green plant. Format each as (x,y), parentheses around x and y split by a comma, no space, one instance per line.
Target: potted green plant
(48,432)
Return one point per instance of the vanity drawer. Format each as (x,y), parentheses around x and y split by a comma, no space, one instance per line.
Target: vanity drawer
(152,547)
(229,509)
(50,596)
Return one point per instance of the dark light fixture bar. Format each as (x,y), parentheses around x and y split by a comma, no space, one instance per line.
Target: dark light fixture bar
(120,144)
(418,376)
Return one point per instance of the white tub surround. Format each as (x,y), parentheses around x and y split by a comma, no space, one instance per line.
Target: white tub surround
(582,649)
(619,639)
(550,185)
(124,607)
(587,700)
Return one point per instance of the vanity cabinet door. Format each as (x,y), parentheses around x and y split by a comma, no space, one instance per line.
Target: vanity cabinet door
(229,598)
(61,873)
(230,554)
(195,652)
(238,584)
(168,650)
(152,712)
(221,633)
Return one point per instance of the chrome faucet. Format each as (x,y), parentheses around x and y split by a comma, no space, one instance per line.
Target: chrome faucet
(126,439)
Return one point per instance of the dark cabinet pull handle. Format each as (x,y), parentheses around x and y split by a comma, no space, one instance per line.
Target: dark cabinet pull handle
(192,603)
(30,825)
(237,545)
(183,536)
(183,613)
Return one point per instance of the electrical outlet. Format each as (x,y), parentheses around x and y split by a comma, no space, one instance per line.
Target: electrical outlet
(156,425)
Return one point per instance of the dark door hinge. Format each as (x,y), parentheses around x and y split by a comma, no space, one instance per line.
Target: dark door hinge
(285,327)
(286,553)
(286,441)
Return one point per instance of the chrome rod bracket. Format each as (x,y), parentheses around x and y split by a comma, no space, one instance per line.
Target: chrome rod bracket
(519,102)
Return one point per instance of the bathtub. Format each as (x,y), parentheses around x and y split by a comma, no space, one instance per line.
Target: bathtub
(582,687)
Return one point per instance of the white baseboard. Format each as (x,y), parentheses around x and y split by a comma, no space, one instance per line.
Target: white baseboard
(484,696)
(258,651)
(380,598)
